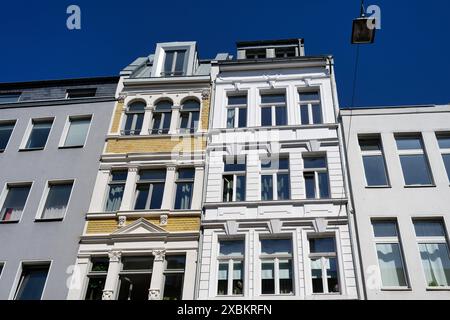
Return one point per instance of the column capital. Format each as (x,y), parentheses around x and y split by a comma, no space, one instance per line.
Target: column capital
(133,169)
(154,294)
(159,254)
(176,107)
(205,94)
(122,221)
(107,294)
(114,256)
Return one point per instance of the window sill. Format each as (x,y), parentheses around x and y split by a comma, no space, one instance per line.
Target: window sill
(420,186)
(71,147)
(48,220)
(396,289)
(379,187)
(31,149)
(438,288)
(9,221)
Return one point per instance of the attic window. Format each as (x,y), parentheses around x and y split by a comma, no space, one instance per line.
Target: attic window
(174,63)
(81,93)
(9,97)
(285,52)
(255,53)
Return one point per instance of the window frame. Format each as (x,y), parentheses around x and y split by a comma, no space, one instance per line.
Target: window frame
(150,182)
(135,114)
(273,107)
(230,260)
(15,93)
(236,108)
(66,130)
(40,212)
(11,123)
(110,183)
(444,151)
(94,274)
(82,90)
(29,131)
(191,127)
(173,72)
(173,271)
(4,195)
(123,272)
(316,172)
(234,174)
(179,180)
(274,172)
(309,104)
(19,276)
(373,153)
(163,114)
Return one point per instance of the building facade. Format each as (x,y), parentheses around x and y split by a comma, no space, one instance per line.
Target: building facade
(51,136)
(399,170)
(143,225)
(275,222)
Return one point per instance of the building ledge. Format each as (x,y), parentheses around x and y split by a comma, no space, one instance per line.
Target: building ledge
(334,201)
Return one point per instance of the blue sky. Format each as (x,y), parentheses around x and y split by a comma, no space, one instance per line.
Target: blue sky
(408,64)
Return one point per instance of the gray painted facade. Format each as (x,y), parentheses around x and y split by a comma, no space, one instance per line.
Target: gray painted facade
(54,241)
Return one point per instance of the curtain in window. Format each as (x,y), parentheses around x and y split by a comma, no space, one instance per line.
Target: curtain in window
(223,271)
(436,263)
(267,271)
(57,199)
(266,188)
(237,270)
(77,132)
(115,197)
(14,203)
(230,118)
(283,186)
(184,194)
(391,266)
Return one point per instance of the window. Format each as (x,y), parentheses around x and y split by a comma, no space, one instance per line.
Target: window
(230,280)
(135,278)
(234,181)
(389,253)
(189,116)
(57,200)
(416,170)
(161,117)
(174,63)
(81,93)
(97,278)
(9,97)
(434,252)
(78,130)
(273,109)
(116,187)
(373,160)
(32,282)
(276,266)
(134,118)
(6,129)
(275,179)
(1,268)
(324,269)
(150,189)
(286,52)
(14,203)
(174,277)
(444,145)
(310,107)
(255,53)
(185,184)
(316,177)
(39,134)
(237,111)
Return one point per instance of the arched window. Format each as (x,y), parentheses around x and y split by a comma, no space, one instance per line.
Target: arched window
(189,116)
(161,117)
(134,118)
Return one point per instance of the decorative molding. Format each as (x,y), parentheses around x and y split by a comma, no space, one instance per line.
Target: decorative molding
(313,145)
(114,256)
(237,85)
(231,227)
(205,94)
(159,254)
(320,224)
(122,221)
(107,294)
(275,225)
(133,169)
(163,219)
(154,294)
(171,167)
(121,98)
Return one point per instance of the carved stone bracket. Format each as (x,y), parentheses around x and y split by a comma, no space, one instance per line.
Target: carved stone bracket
(121,97)
(114,256)
(159,254)
(122,221)
(163,219)
(154,294)
(205,94)
(107,294)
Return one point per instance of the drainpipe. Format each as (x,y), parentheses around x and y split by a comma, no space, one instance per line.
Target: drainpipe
(354,240)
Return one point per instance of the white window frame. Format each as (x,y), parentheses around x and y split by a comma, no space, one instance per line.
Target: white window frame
(173,271)
(366,153)
(4,194)
(8,122)
(236,108)
(444,151)
(163,115)
(235,174)
(17,279)
(93,274)
(67,125)
(316,172)
(183,180)
(111,182)
(230,260)
(27,134)
(309,104)
(191,124)
(274,172)
(132,272)
(273,106)
(135,115)
(390,240)
(150,182)
(40,211)
(172,72)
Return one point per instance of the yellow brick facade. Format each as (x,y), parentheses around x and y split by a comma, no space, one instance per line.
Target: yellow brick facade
(205,113)
(116,117)
(174,224)
(163,144)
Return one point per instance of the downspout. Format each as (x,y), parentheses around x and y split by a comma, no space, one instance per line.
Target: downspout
(354,240)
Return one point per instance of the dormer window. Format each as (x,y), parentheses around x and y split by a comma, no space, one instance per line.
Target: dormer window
(285,52)
(255,53)
(174,63)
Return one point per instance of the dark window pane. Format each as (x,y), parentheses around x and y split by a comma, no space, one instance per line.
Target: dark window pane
(285,272)
(230,117)
(14,203)
(9,97)
(446,158)
(232,247)
(134,286)
(332,275)
(57,200)
(240,188)
(281,116)
(314,162)
(194,120)
(237,100)
(129,124)
(266,187)
(238,282)
(5,134)
(39,134)
(191,105)
(179,64)
(222,279)
(137,263)
(153,174)
(95,288)
(271,246)
(317,113)
(283,186)
(156,123)
(375,170)
(81,93)
(266,116)
(267,278)
(119,175)
(385,228)
(304,114)
(184,120)
(157,195)
(429,228)
(316,274)
(242,117)
(324,185)
(183,196)
(166,123)
(100,264)
(408,143)
(370,144)
(236,165)
(227,188)
(173,286)
(319,245)
(186,173)
(273,98)
(415,169)
(114,197)
(309,96)
(32,282)
(164,106)
(310,185)
(444,141)
(175,262)
(168,62)
(138,106)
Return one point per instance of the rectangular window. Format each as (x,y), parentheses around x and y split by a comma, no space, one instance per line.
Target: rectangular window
(97,278)
(150,189)
(116,187)
(174,63)
(389,253)
(135,278)
(57,200)
(310,107)
(184,188)
(189,116)
(276,266)
(6,129)
(285,52)
(161,117)
(273,109)
(39,134)
(230,280)
(1,268)
(10,97)
(174,277)
(78,130)
(237,111)
(444,146)
(16,198)
(434,251)
(416,170)
(233,181)
(324,266)
(255,53)
(32,282)
(275,179)
(315,174)
(373,161)
(81,93)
